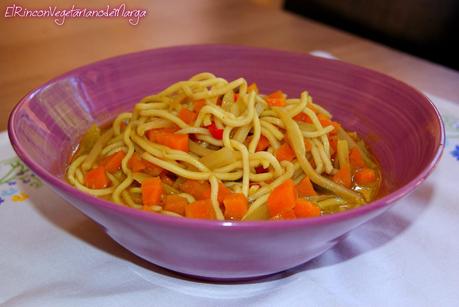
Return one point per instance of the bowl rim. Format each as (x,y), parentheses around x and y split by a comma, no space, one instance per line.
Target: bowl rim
(385,201)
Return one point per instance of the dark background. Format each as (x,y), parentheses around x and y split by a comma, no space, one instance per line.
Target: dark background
(426,28)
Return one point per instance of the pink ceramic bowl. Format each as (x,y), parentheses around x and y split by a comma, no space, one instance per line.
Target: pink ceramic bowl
(402,127)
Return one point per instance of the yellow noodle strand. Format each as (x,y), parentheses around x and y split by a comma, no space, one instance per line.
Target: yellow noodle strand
(244,117)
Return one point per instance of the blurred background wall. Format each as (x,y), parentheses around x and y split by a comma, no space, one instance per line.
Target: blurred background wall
(426,28)
(34,50)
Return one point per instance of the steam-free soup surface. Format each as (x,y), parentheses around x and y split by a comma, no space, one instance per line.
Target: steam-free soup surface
(209,148)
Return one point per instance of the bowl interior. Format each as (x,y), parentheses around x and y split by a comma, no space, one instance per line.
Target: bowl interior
(400,125)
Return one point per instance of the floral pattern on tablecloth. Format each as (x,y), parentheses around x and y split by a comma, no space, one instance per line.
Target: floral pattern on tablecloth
(455,152)
(452,134)
(12,172)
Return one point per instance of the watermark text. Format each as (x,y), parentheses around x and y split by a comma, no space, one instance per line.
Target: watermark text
(60,16)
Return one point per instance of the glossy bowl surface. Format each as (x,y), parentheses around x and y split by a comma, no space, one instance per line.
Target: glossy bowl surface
(401,126)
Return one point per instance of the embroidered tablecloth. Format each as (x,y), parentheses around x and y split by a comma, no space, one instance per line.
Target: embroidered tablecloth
(52,255)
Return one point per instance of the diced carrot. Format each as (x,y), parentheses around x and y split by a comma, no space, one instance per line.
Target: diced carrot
(324,120)
(282,198)
(263,143)
(136,163)
(178,141)
(355,158)
(112,163)
(236,96)
(305,188)
(285,152)
(175,203)
(169,139)
(302,117)
(285,215)
(151,134)
(198,104)
(187,116)
(252,88)
(223,191)
(288,214)
(304,208)
(96,178)
(152,190)
(200,209)
(236,206)
(165,129)
(277,94)
(365,176)
(198,189)
(276,99)
(343,177)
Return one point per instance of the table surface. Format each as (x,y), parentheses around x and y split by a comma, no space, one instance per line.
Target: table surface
(34,50)
(385,255)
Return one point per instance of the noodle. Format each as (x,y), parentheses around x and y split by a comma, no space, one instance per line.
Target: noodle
(227,129)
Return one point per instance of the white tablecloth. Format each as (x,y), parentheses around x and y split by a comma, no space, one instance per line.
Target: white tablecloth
(52,255)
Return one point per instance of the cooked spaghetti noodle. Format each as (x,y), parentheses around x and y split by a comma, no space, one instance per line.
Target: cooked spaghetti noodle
(209,148)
